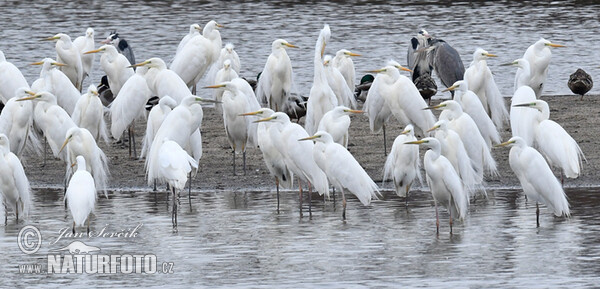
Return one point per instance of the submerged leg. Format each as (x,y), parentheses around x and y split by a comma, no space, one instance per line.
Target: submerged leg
(190,188)
(537,214)
(88,225)
(73,227)
(309,200)
(45,145)
(277,187)
(450,211)
(132,129)
(233,153)
(244,160)
(437,218)
(343,206)
(300,201)
(384,142)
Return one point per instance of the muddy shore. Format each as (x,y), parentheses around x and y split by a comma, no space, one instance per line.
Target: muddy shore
(580,118)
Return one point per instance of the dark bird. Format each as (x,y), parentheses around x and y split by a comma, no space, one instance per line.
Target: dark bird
(122,46)
(104,92)
(361,90)
(426,53)
(580,82)
(295,107)
(426,86)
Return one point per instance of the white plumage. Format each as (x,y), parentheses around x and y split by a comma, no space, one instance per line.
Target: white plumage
(129,104)
(276,80)
(155,118)
(523,120)
(402,165)
(163,81)
(115,65)
(68,53)
(11,79)
(89,114)
(81,194)
(14,185)
(16,121)
(174,164)
(56,82)
(86,43)
(345,65)
(538,55)
(336,122)
(80,142)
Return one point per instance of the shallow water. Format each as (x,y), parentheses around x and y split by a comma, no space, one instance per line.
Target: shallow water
(236,239)
(376,29)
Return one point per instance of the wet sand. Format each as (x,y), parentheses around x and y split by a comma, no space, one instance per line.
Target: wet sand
(580,118)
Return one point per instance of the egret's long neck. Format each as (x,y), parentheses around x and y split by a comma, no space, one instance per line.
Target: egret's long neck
(545,109)
(525,74)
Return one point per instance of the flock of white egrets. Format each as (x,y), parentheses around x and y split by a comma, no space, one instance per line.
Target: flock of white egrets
(459,142)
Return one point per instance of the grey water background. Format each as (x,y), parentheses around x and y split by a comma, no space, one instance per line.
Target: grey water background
(236,239)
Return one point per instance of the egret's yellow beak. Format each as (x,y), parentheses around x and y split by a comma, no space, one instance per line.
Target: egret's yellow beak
(453,87)
(554,45)
(416,142)
(433,128)
(435,107)
(207,100)
(58,64)
(93,51)
(251,113)
(215,86)
(403,68)
(265,119)
(94,92)
(504,144)
(406,131)
(323,48)
(220,25)
(64,144)
(50,38)
(139,64)
(37,63)
(310,137)
(353,111)
(377,70)
(28,98)
(524,104)
(290,45)
(352,54)
(30,92)
(490,55)
(510,63)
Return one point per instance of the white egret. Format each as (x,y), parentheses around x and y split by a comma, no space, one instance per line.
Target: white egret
(481,82)
(342,169)
(52,120)
(402,164)
(536,178)
(375,106)
(276,80)
(163,81)
(11,79)
(335,79)
(322,98)
(195,30)
(89,114)
(463,124)
(405,101)
(80,142)
(115,65)
(226,73)
(68,54)
(522,120)
(241,132)
(345,65)
(56,82)
(155,118)
(129,105)
(554,142)
(227,53)
(16,120)
(198,54)
(273,158)
(81,195)
(454,150)
(336,122)
(538,55)
(296,155)
(472,106)
(83,44)
(444,182)
(121,44)
(14,185)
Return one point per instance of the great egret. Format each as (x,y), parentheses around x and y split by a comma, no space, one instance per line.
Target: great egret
(342,169)
(336,81)
(523,120)
(121,44)
(56,82)
(554,142)
(14,185)
(11,79)
(174,166)
(195,30)
(285,136)
(81,195)
(83,44)
(345,65)
(275,82)
(402,165)
(115,65)
(16,120)
(404,100)
(463,124)
(538,55)
(68,54)
(128,105)
(471,105)
(536,178)
(444,183)
(226,73)
(198,54)
(454,150)
(375,106)
(80,142)
(238,98)
(163,81)
(580,82)
(89,114)
(274,160)
(52,120)
(523,76)
(481,82)
(322,98)
(336,122)
(155,118)
(227,53)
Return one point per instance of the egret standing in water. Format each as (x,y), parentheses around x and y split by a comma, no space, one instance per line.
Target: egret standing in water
(342,169)
(155,118)
(81,195)
(522,120)
(275,83)
(444,182)
(68,53)
(16,121)
(536,178)
(14,185)
(538,55)
(403,165)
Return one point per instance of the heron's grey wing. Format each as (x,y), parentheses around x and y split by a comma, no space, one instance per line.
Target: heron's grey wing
(126,50)
(447,63)
(410,54)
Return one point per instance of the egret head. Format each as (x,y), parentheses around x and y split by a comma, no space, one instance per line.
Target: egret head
(211,26)
(520,63)
(229,48)
(277,117)
(545,43)
(481,54)
(48,62)
(345,53)
(513,141)
(153,62)
(80,160)
(74,132)
(263,113)
(429,142)
(195,28)
(282,44)
(538,104)
(104,48)
(441,124)
(40,96)
(59,36)
(89,33)
(343,110)
(226,64)
(320,136)
(409,130)
(460,85)
(92,90)
(327,60)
